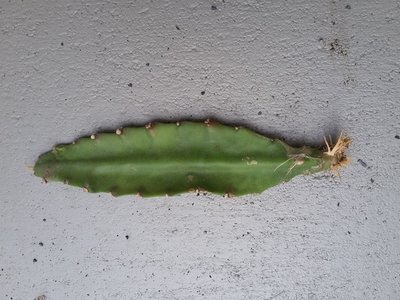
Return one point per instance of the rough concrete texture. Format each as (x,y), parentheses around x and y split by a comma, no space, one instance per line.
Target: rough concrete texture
(294,69)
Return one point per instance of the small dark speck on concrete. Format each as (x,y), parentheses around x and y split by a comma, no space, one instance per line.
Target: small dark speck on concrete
(127,236)
(41,244)
(348,232)
(362,163)
(348,6)
(372,180)
(62,43)
(34,260)
(338,48)
(213,7)
(259,113)
(177,27)
(397,136)
(203,92)
(147,64)
(130,84)
(338,204)
(44,220)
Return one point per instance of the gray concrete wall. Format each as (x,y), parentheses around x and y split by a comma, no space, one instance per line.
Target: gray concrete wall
(296,69)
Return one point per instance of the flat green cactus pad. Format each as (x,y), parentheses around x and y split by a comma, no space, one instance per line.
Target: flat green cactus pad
(173,158)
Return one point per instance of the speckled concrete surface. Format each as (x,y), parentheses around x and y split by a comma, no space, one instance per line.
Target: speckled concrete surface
(294,69)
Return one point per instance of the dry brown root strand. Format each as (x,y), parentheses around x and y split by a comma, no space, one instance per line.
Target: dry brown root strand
(338,152)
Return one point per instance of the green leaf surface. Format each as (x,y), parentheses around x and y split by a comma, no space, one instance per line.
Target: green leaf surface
(167,158)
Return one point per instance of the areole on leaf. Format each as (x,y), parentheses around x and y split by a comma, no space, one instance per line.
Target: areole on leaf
(173,158)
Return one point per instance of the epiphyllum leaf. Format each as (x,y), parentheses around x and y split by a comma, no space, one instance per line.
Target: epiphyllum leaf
(173,158)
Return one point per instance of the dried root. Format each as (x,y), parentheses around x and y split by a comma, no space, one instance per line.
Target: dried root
(338,151)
